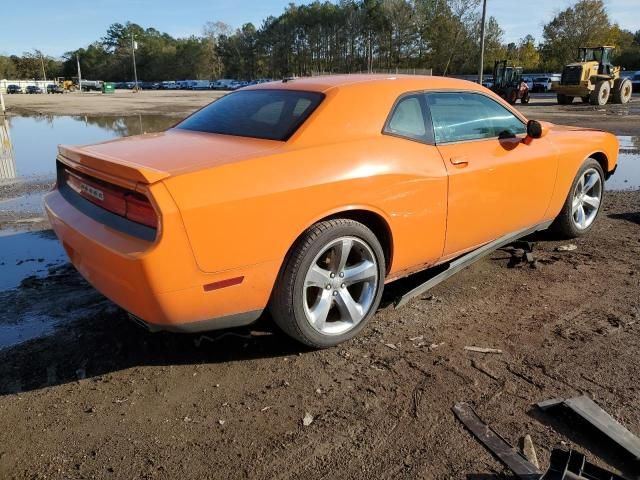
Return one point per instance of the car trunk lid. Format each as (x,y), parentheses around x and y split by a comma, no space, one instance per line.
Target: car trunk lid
(153,157)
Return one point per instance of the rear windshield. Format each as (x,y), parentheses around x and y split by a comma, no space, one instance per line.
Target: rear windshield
(268,114)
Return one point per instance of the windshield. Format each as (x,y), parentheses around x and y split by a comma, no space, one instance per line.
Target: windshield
(590,55)
(268,114)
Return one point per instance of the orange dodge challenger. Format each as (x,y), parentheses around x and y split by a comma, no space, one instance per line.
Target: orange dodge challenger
(306,196)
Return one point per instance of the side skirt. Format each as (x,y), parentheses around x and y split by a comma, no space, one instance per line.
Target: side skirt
(469,259)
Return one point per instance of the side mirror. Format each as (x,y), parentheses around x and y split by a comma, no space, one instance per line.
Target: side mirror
(535,129)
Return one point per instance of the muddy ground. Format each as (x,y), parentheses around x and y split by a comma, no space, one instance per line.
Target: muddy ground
(101,398)
(179,103)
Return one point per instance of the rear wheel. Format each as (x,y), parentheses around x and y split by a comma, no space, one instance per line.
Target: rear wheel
(623,88)
(525,98)
(583,201)
(600,94)
(511,95)
(330,285)
(564,99)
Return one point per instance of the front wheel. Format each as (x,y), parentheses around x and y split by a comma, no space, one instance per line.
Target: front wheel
(583,202)
(330,285)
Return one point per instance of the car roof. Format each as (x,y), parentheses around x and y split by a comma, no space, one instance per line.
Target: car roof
(325,83)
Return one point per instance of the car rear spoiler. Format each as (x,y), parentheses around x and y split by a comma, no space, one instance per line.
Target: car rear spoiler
(110,165)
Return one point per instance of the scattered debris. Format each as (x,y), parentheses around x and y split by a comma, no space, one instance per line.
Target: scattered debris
(391,346)
(591,412)
(221,422)
(264,409)
(567,248)
(484,369)
(186,419)
(572,465)
(482,349)
(419,337)
(529,451)
(198,341)
(496,444)
(307,420)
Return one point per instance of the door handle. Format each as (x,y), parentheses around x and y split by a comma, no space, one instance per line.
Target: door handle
(459,161)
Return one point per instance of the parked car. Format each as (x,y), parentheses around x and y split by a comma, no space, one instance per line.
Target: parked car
(223,84)
(237,84)
(363,180)
(635,82)
(168,85)
(542,84)
(33,89)
(199,84)
(14,89)
(54,88)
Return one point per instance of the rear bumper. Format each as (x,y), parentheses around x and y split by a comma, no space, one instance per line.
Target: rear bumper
(158,281)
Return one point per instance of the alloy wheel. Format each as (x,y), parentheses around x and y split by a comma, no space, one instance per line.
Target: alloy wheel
(340,286)
(587,197)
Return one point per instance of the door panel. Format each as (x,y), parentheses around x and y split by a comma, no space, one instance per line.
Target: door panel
(504,186)
(497,183)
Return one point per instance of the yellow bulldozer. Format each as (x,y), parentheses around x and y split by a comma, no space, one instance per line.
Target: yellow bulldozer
(593,78)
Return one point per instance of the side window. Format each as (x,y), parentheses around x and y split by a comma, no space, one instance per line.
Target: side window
(408,120)
(458,117)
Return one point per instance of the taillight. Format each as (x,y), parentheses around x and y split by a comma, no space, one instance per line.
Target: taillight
(126,203)
(139,209)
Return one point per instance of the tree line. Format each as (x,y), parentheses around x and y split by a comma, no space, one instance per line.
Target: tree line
(344,37)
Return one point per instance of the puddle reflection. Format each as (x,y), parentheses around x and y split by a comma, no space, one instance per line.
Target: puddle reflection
(30,143)
(26,254)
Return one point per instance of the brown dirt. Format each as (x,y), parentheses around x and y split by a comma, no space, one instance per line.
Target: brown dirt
(101,398)
(177,103)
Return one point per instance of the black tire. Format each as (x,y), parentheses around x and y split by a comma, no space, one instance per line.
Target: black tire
(286,306)
(525,98)
(622,90)
(564,99)
(563,226)
(600,94)
(511,95)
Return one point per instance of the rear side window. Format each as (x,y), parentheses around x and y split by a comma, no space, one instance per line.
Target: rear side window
(268,114)
(408,119)
(459,117)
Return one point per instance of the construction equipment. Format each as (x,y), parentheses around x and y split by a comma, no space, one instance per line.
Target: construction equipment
(508,83)
(593,78)
(66,84)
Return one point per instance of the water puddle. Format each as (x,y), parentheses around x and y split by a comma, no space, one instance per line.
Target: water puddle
(627,176)
(28,254)
(28,144)
(29,204)
(27,329)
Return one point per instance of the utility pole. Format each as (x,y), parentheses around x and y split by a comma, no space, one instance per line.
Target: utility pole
(481,68)
(44,75)
(79,74)
(133,55)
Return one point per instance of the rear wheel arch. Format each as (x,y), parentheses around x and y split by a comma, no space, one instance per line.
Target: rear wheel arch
(371,219)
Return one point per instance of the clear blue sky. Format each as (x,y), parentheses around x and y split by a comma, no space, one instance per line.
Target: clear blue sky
(58,26)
